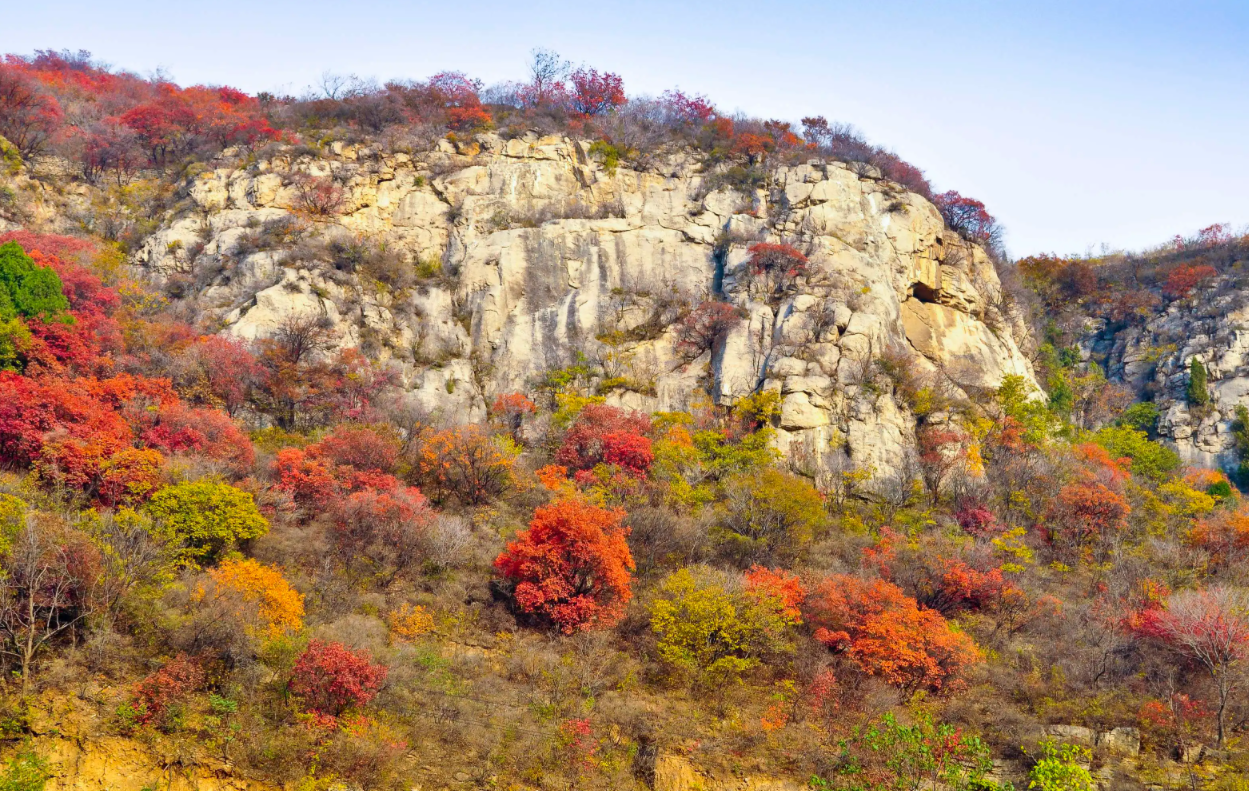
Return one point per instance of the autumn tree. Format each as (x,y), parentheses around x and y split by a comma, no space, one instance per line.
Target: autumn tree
(209,517)
(387,530)
(330,678)
(968,217)
(465,463)
(705,327)
(1209,627)
(258,596)
(595,93)
(608,435)
(713,630)
(776,266)
(572,568)
(768,515)
(888,635)
(49,588)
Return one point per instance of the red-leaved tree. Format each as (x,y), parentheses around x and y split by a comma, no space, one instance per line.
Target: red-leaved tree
(330,678)
(607,435)
(572,568)
(1209,627)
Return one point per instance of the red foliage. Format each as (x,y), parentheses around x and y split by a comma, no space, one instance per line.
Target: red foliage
(1184,278)
(752,145)
(458,94)
(688,109)
(511,409)
(572,567)
(155,695)
(308,479)
(607,435)
(889,635)
(1087,511)
(777,264)
(967,216)
(360,447)
(704,327)
(387,527)
(330,678)
(29,116)
(595,93)
(978,521)
(967,588)
(218,371)
(210,432)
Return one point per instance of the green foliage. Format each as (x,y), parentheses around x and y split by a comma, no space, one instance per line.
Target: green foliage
(722,457)
(1142,416)
(1059,769)
(1016,399)
(1198,393)
(608,154)
(25,771)
(1150,459)
(768,515)
(709,630)
(891,756)
(14,337)
(27,289)
(209,517)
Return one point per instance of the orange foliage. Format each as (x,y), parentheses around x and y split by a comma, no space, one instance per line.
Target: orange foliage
(781,589)
(889,635)
(260,597)
(465,463)
(572,567)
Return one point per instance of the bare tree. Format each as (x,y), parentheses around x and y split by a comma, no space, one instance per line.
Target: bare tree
(50,585)
(546,73)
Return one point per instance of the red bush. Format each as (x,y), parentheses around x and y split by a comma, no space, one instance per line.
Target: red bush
(157,694)
(1184,278)
(595,93)
(607,435)
(361,447)
(572,567)
(704,327)
(777,265)
(330,678)
(209,432)
(968,217)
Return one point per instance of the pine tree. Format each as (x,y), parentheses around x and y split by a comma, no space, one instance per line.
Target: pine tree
(1198,395)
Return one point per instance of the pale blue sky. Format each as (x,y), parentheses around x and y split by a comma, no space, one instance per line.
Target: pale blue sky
(1078,123)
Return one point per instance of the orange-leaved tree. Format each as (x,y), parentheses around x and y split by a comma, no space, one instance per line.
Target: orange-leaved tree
(889,635)
(572,568)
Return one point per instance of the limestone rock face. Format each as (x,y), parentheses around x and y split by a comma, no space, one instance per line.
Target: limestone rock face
(516,256)
(1154,359)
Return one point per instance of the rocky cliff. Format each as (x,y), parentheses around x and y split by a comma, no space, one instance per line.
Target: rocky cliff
(1153,359)
(509,258)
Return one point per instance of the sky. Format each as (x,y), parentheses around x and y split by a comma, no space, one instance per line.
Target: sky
(1081,125)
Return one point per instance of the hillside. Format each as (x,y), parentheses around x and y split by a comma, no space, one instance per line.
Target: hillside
(537,436)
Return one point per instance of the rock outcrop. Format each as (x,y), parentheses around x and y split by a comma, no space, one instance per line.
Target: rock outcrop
(519,255)
(1154,359)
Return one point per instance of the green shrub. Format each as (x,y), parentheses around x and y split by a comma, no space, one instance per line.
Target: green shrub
(1059,769)
(25,771)
(1142,417)
(1150,459)
(208,517)
(27,289)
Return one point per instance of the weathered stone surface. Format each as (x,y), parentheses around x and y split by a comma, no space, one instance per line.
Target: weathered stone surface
(1121,741)
(544,255)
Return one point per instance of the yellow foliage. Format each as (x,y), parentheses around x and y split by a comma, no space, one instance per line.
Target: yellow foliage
(1186,501)
(410,622)
(263,599)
